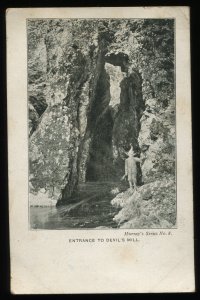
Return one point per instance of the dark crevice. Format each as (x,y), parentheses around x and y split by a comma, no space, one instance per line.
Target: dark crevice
(100,165)
(107,128)
(100,123)
(101,100)
(39,104)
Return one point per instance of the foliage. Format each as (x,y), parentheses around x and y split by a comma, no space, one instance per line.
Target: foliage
(63,54)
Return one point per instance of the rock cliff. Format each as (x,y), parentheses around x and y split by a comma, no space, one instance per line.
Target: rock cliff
(94,87)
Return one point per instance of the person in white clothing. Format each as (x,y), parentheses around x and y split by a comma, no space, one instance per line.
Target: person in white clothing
(131,168)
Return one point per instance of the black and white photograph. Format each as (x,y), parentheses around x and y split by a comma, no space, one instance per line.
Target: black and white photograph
(102,123)
(100,150)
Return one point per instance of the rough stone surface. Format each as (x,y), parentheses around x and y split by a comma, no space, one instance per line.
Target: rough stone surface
(102,88)
(153,205)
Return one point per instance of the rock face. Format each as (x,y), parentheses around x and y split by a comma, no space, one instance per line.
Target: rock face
(90,96)
(153,205)
(157,140)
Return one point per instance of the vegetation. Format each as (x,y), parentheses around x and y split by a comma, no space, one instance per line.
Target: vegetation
(65,63)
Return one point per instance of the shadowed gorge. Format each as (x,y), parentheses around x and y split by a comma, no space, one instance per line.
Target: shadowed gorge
(113,127)
(100,123)
(100,162)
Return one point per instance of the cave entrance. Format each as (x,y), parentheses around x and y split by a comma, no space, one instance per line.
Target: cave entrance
(114,119)
(100,165)
(100,123)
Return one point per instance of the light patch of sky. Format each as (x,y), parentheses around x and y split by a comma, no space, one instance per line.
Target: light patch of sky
(116,76)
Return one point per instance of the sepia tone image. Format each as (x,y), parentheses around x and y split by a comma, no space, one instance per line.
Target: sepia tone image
(102,123)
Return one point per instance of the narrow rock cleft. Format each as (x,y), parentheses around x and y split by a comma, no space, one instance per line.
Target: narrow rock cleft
(94,89)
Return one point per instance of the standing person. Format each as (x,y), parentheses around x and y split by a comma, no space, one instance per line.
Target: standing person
(131,168)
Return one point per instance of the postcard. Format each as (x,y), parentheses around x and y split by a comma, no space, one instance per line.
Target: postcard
(100,150)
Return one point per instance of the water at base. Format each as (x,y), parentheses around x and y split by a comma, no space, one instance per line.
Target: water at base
(91,209)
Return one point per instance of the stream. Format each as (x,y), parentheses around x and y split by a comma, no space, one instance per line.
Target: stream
(91,208)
